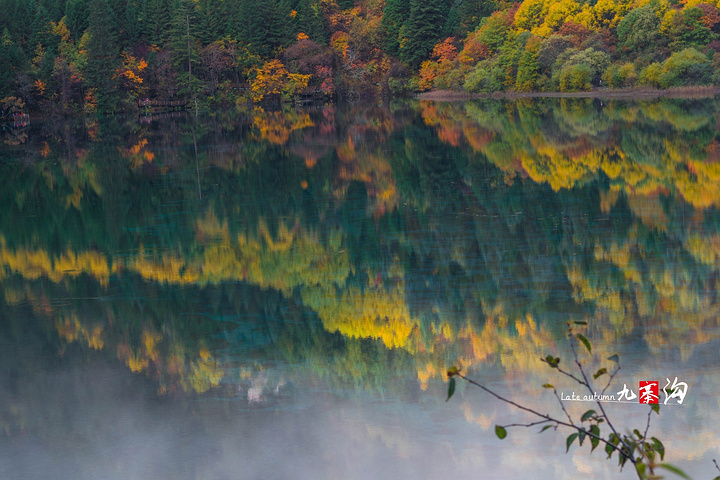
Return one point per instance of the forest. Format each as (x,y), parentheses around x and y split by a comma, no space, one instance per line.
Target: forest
(83,56)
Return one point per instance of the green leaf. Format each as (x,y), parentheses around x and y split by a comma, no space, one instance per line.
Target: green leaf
(659,447)
(547,385)
(614,358)
(545,428)
(611,446)
(622,459)
(609,449)
(581,436)
(656,408)
(451,389)
(637,432)
(675,470)
(500,432)
(580,323)
(552,361)
(595,430)
(587,415)
(640,467)
(569,441)
(585,341)
(599,373)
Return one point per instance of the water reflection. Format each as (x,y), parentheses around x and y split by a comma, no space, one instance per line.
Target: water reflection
(274,258)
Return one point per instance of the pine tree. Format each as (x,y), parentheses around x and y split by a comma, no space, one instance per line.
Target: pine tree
(17,16)
(102,56)
(394,17)
(129,18)
(310,22)
(210,22)
(185,46)
(267,25)
(156,20)
(12,60)
(423,29)
(473,11)
(76,17)
(40,29)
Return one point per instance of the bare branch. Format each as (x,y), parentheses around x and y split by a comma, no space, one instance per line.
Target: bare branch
(563,407)
(617,369)
(527,424)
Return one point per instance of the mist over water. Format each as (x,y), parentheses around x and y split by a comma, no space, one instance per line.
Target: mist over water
(283,302)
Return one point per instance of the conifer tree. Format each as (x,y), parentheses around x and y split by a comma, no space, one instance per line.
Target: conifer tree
(12,60)
(267,25)
(210,22)
(423,29)
(156,20)
(40,29)
(394,17)
(185,46)
(76,17)
(102,56)
(310,22)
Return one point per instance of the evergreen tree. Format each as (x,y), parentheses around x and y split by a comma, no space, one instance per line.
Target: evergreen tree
(210,22)
(12,60)
(185,46)
(394,17)
(156,19)
(102,56)
(471,12)
(54,8)
(17,16)
(76,17)
(310,22)
(266,25)
(41,29)
(422,31)
(465,15)
(129,19)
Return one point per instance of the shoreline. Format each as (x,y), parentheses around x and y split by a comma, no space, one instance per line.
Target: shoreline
(620,93)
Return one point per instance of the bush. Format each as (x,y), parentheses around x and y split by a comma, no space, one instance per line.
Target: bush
(596,60)
(619,76)
(403,86)
(575,78)
(688,67)
(650,75)
(487,77)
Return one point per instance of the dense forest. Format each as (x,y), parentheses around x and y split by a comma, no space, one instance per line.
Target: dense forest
(71,56)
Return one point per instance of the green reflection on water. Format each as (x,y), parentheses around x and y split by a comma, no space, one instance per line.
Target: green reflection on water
(365,243)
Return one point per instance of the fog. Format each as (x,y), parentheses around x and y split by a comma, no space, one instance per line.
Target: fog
(91,419)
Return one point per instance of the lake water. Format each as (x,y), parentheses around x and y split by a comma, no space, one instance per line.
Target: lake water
(277,295)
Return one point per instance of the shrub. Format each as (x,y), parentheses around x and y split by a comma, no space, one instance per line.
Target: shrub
(487,77)
(688,67)
(596,60)
(620,75)
(575,78)
(650,75)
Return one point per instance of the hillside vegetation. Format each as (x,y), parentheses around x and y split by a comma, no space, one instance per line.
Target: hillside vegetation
(103,55)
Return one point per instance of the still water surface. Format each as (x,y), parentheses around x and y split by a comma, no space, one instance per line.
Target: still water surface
(276,295)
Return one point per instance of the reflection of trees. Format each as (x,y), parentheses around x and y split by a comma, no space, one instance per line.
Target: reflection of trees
(666,145)
(418,253)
